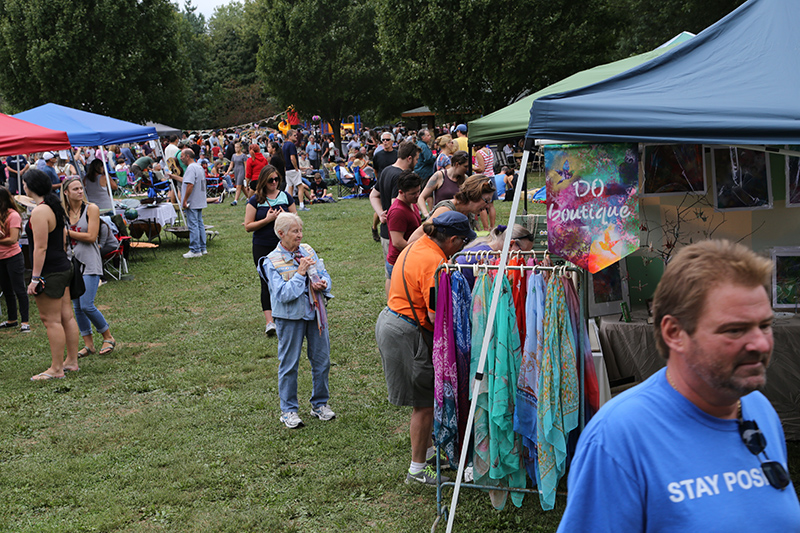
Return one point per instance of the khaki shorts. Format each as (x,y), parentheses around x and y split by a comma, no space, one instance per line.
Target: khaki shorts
(407,360)
(293,178)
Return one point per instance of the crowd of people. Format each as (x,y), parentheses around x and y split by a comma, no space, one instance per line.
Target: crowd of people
(713,319)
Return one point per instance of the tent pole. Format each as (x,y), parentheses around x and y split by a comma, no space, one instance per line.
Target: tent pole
(487,338)
(108,179)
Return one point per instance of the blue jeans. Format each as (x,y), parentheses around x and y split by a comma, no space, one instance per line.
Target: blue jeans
(290,344)
(86,313)
(228,182)
(197,230)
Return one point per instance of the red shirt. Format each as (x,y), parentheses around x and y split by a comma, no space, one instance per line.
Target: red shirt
(402,218)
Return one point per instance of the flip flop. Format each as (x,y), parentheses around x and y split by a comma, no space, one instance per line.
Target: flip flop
(44,376)
(71,369)
(86,352)
(106,351)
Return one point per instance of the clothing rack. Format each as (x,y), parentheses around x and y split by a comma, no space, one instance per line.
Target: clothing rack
(558,270)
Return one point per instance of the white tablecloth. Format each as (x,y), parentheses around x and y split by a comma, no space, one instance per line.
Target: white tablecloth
(163,213)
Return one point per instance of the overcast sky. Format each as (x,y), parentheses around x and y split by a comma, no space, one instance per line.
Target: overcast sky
(206,7)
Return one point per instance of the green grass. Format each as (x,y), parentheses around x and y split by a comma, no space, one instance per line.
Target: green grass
(178,429)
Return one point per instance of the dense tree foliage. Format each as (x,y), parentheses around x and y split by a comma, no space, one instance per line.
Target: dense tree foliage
(114,57)
(648,23)
(145,59)
(480,55)
(321,57)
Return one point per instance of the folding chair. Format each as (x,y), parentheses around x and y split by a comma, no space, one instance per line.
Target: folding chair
(350,184)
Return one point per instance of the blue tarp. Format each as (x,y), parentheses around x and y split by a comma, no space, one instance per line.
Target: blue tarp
(87,129)
(736,82)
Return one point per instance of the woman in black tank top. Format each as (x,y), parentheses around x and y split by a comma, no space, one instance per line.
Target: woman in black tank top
(51,275)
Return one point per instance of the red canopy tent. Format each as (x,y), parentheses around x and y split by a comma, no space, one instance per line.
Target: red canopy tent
(20,137)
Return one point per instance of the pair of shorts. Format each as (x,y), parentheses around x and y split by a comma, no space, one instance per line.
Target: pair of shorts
(293,178)
(55,283)
(407,360)
(385,243)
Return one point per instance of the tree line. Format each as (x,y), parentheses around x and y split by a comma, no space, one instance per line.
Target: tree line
(143,60)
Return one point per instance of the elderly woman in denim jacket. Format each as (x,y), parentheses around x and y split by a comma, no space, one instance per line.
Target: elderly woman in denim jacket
(299,286)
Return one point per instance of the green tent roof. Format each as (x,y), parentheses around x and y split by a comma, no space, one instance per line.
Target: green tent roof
(512,121)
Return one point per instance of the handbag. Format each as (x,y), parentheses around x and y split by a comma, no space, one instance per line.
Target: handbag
(76,285)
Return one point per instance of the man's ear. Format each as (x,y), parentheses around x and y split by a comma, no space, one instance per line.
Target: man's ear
(674,335)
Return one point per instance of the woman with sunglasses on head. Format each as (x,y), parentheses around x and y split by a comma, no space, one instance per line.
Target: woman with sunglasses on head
(51,274)
(12,264)
(84,226)
(474,195)
(259,219)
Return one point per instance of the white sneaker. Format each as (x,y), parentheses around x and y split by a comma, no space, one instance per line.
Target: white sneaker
(323,412)
(271,330)
(291,420)
(192,255)
(204,252)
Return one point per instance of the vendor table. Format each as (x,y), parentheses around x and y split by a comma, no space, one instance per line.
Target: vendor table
(163,213)
(630,350)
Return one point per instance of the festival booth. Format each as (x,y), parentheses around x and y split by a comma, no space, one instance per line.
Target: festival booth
(163,130)
(718,123)
(21,137)
(90,129)
(702,141)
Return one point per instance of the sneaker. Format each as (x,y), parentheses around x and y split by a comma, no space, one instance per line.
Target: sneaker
(291,420)
(442,460)
(271,330)
(25,328)
(6,324)
(234,202)
(303,208)
(204,252)
(375,235)
(323,412)
(192,255)
(426,477)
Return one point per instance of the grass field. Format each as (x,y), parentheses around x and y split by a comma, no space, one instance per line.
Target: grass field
(178,429)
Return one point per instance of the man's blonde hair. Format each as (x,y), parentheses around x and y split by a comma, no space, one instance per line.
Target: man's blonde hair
(694,272)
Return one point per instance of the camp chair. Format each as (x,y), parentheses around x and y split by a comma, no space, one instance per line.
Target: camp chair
(365,179)
(351,184)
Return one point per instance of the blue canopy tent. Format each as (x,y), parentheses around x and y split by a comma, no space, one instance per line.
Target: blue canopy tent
(734,83)
(88,129)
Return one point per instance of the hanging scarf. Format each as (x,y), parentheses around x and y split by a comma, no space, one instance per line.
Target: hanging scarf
(497,458)
(591,390)
(558,393)
(445,374)
(462,304)
(525,413)
(519,290)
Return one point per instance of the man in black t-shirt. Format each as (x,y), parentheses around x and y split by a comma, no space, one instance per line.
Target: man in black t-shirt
(385,191)
(381,159)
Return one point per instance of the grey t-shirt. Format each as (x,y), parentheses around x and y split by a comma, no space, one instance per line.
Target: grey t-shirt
(196,176)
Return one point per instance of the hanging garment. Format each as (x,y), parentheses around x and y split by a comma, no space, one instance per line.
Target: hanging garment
(528,381)
(497,456)
(559,393)
(445,374)
(591,390)
(519,292)
(462,308)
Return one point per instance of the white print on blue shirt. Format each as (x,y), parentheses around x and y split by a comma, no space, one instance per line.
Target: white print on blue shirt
(709,485)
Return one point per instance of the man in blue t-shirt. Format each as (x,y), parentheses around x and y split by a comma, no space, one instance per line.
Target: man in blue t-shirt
(683,450)
(49,159)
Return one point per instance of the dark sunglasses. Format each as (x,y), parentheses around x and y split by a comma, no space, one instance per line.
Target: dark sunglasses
(756,442)
(273,180)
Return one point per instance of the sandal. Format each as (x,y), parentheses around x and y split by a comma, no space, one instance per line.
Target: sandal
(106,351)
(44,376)
(86,352)
(71,369)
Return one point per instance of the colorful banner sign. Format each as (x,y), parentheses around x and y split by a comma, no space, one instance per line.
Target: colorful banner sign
(592,202)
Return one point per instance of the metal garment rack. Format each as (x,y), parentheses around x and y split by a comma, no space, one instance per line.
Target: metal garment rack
(559,270)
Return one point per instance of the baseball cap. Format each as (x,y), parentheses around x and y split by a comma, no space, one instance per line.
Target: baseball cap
(454,223)
(462,128)
(48,155)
